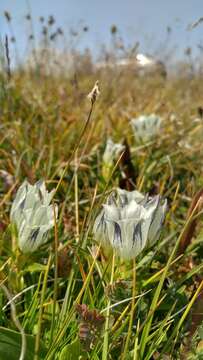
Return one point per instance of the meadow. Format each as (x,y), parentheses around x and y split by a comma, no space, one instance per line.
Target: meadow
(70,299)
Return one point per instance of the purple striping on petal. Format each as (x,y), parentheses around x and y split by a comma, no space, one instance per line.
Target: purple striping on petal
(40,195)
(137,234)
(22,204)
(117,233)
(34,234)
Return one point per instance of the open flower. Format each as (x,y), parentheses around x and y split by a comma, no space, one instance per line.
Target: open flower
(129,222)
(145,127)
(111,153)
(33,215)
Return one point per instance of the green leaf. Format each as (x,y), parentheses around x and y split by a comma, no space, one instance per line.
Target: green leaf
(71,351)
(10,345)
(36,267)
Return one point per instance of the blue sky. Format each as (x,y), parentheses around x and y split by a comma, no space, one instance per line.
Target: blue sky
(137,20)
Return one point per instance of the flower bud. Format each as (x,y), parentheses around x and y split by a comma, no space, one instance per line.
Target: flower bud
(146,127)
(33,215)
(111,153)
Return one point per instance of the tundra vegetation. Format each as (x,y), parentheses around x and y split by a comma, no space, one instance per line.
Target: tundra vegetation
(101,198)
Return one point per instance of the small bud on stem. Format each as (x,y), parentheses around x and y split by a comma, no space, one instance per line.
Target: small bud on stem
(94,93)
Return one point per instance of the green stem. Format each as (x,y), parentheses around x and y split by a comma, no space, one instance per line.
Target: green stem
(106,330)
(67,320)
(147,327)
(37,341)
(76,146)
(16,321)
(124,355)
(55,275)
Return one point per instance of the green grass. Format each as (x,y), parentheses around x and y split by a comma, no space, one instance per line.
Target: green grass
(151,310)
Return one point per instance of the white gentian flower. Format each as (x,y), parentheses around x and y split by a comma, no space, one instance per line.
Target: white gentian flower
(33,215)
(129,222)
(145,127)
(111,153)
